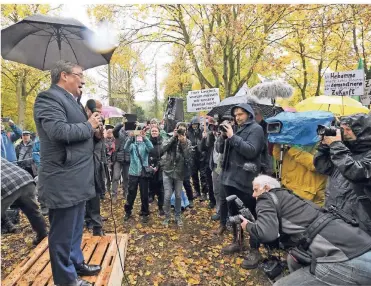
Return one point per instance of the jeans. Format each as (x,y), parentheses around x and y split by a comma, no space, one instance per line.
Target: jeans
(171,185)
(120,169)
(134,181)
(216,188)
(25,197)
(356,271)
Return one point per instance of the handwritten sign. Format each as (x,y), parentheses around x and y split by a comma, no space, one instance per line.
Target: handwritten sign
(349,83)
(366,97)
(202,100)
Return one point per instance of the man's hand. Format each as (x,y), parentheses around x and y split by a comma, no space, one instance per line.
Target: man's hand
(229,130)
(131,134)
(204,134)
(327,140)
(182,138)
(244,222)
(95,119)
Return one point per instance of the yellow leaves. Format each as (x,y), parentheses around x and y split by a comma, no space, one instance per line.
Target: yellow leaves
(147,273)
(161,244)
(194,280)
(239,260)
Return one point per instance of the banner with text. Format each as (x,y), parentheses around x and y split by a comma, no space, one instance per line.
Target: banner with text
(349,83)
(202,100)
(366,97)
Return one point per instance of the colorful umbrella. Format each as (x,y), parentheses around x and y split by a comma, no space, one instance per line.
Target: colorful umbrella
(338,105)
(111,111)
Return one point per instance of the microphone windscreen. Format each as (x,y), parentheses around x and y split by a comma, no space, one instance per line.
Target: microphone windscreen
(91,104)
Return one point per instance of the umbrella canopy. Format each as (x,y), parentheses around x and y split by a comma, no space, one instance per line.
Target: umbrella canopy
(338,105)
(111,111)
(40,41)
(226,105)
(272,89)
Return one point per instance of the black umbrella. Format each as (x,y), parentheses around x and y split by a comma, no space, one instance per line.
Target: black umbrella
(225,106)
(40,41)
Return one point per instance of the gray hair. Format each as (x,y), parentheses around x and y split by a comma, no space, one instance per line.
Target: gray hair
(61,66)
(264,180)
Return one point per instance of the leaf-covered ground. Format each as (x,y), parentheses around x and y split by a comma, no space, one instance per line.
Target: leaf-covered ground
(157,255)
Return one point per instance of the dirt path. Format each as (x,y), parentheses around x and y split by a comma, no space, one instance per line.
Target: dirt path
(158,255)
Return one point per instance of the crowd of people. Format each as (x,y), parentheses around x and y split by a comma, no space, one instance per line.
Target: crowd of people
(319,208)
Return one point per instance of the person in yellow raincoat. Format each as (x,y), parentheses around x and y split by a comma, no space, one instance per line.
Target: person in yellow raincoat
(299,174)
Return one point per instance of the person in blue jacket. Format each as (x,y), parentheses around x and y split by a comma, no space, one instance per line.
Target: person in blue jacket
(7,140)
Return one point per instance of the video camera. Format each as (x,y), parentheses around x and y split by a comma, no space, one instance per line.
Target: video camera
(245,212)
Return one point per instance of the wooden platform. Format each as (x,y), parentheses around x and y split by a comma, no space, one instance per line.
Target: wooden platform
(35,269)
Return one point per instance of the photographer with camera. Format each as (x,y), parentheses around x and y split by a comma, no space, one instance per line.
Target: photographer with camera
(120,160)
(194,135)
(175,165)
(328,250)
(7,141)
(345,156)
(241,150)
(139,147)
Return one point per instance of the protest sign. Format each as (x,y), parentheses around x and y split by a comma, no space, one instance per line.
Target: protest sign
(202,100)
(349,83)
(366,97)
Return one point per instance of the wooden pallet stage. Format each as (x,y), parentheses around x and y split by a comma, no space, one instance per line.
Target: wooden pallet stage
(35,269)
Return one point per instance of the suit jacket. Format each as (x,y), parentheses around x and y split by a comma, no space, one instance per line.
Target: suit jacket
(66,173)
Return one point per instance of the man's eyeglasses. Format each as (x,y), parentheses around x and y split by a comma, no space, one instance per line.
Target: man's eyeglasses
(78,74)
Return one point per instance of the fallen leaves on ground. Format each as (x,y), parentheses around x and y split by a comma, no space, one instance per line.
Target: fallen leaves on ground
(156,255)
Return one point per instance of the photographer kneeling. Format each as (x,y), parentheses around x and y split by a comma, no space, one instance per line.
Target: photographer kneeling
(328,250)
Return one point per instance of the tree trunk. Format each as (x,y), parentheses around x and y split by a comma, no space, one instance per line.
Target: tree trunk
(21,99)
(319,81)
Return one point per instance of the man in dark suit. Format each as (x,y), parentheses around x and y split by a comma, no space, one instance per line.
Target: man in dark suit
(66,173)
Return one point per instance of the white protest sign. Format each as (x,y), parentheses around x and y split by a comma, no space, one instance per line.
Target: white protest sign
(366,97)
(349,83)
(202,100)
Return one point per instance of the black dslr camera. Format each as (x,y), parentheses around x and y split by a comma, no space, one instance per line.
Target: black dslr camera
(328,131)
(245,212)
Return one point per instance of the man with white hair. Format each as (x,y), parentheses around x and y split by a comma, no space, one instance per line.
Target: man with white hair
(329,249)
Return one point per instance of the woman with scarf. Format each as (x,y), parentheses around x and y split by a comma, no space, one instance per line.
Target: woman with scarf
(139,147)
(155,183)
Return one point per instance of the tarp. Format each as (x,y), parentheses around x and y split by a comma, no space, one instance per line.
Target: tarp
(299,128)
(185,202)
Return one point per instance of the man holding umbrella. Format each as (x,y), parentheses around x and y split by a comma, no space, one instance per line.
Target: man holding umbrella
(66,173)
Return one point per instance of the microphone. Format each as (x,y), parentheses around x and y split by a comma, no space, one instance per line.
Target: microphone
(92,105)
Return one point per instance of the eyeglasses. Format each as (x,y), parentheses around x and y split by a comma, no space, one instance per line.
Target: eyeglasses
(78,74)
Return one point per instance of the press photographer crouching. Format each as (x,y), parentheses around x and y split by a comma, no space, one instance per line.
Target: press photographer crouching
(345,156)
(329,251)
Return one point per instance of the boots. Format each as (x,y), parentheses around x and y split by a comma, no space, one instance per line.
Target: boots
(7,226)
(252,260)
(221,229)
(234,247)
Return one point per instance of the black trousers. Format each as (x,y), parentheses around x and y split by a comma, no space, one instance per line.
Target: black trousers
(209,180)
(188,188)
(25,198)
(247,200)
(92,214)
(200,167)
(134,181)
(156,188)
